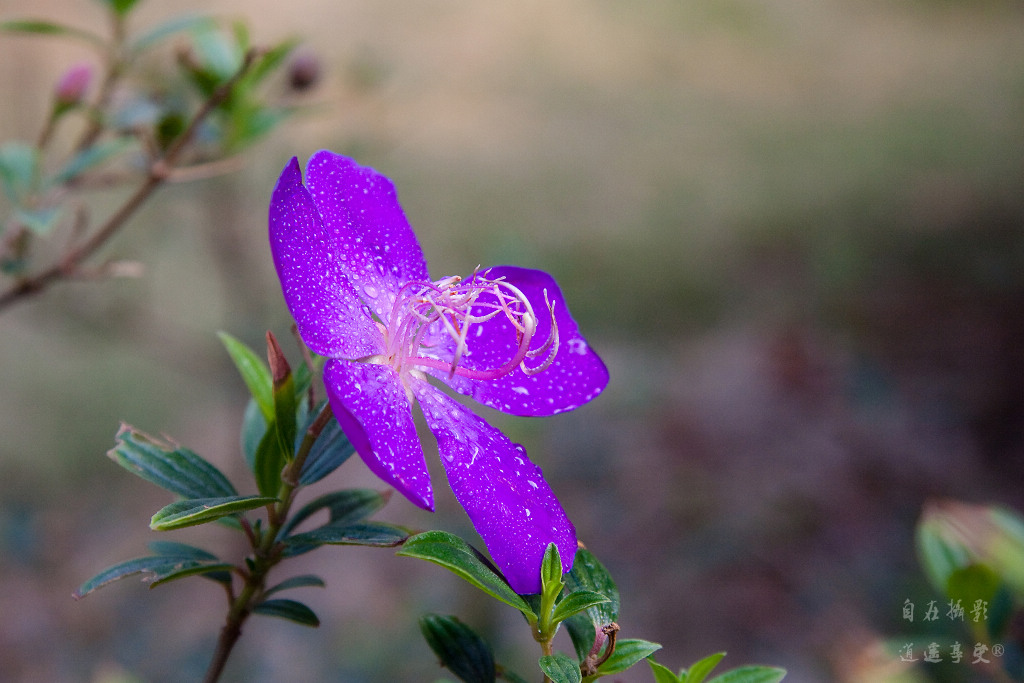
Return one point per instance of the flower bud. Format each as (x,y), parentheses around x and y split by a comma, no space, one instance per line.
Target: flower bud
(73,86)
(952,535)
(304,71)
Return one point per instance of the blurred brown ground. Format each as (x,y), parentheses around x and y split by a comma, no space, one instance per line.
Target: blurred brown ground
(794,230)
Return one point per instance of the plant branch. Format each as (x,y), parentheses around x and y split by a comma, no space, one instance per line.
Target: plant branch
(266,553)
(159,172)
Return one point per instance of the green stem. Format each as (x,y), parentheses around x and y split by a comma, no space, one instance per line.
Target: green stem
(266,553)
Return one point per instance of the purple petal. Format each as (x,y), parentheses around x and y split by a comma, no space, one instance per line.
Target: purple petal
(576,376)
(330,316)
(380,250)
(370,404)
(504,494)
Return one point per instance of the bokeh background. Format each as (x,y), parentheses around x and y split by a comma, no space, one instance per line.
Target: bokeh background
(793,229)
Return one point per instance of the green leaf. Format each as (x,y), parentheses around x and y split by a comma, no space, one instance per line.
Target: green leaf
(89,158)
(576,602)
(268,462)
(121,7)
(40,220)
(457,556)
(751,674)
(551,573)
(511,676)
(17,169)
(254,429)
(156,570)
(343,507)
(175,549)
(974,582)
(216,52)
(288,609)
(43,27)
(560,668)
(590,575)
(939,558)
(168,28)
(195,511)
(301,581)
(285,406)
(376,534)
(702,669)
(662,674)
(331,449)
(254,372)
(627,653)
(189,552)
(459,648)
(178,470)
(271,60)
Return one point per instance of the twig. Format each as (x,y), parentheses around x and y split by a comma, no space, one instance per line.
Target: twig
(266,553)
(159,172)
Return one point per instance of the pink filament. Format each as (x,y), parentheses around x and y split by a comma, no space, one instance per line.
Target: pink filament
(422,307)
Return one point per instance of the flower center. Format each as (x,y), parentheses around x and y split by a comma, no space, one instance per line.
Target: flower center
(451,307)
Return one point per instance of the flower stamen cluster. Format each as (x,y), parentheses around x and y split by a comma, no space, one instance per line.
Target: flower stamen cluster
(452,307)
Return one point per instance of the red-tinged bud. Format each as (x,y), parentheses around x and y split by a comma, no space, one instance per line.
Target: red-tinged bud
(279,368)
(304,71)
(73,86)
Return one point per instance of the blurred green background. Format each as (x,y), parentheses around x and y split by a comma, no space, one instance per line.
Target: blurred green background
(794,230)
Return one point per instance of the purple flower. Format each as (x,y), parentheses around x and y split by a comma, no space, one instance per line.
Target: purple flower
(355,280)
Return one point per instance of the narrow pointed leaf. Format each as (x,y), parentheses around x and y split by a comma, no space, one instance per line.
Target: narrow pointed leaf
(39,220)
(662,674)
(457,556)
(89,158)
(155,569)
(285,401)
(175,549)
(269,461)
(332,448)
(168,28)
(376,534)
(459,648)
(17,168)
(121,7)
(751,674)
(43,27)
(551,574)
(302,581)
(178,470)
(288,609)
(216,52)
(576,602)
(560,668)
(627,653)
(343,507)
(254,429)
(590,575)
(703,668)
(271,60)
(194,511)
(255,373)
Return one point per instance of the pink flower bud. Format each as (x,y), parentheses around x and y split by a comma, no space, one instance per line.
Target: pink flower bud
(73,85)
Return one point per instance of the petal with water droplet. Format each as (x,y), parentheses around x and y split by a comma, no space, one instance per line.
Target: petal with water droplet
(502,491)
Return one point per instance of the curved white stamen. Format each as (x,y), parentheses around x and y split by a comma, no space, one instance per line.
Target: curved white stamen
(452,307)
